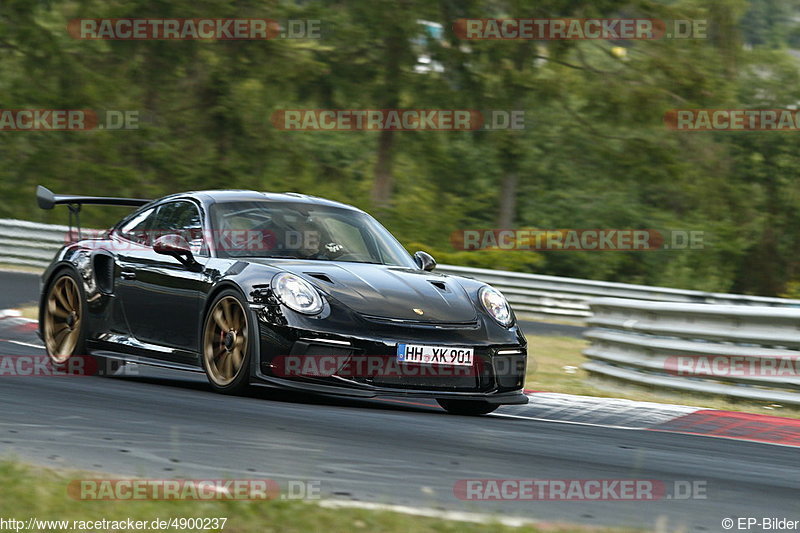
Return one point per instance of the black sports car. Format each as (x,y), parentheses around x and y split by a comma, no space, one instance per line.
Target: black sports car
(282,290)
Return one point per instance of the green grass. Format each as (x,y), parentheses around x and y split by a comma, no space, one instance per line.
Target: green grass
(30,311)
(42,493)
(548,357)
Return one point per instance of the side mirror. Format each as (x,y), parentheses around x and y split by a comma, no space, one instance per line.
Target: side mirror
(175,246)
(425,261)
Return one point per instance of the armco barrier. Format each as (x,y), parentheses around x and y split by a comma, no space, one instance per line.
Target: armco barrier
(729,350)
(569,297)
(29,243)
(34,244)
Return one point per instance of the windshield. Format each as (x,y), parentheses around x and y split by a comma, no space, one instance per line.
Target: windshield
(303,231)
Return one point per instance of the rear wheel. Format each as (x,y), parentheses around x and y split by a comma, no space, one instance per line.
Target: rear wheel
(227,343)
(62,318)
(64,332)
(467,407)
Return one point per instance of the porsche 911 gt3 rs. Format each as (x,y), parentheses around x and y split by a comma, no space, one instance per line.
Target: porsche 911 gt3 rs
(281,290)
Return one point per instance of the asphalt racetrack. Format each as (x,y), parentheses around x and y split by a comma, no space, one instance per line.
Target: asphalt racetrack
(164,424)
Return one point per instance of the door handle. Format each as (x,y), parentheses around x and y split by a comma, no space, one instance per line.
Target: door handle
(127,274)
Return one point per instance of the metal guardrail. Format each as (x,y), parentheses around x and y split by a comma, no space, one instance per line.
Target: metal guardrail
(33,244)
(729,350)
(569,297)
(29,243)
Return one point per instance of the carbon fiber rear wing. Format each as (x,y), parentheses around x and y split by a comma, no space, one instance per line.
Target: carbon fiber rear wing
(47,200)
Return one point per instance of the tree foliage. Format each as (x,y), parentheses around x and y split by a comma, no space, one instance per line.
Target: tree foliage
(594,152)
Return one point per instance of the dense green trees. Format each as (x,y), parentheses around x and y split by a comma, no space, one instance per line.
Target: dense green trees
(594,153)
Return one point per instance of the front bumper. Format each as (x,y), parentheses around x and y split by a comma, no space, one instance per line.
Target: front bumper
(497,375)
(516,397)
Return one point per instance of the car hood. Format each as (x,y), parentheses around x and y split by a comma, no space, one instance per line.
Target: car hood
(388,291)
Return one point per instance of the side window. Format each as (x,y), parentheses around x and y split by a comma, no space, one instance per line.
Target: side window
(181,218)
(137,229)
(349,236)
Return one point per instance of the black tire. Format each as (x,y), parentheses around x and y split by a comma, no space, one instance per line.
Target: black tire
(220,343)
(467,407)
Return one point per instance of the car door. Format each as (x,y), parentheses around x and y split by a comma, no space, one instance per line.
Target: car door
(132,233)
(160,295)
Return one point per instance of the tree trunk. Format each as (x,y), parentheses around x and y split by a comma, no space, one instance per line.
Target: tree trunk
(384,180)
(510,147)
(508,200)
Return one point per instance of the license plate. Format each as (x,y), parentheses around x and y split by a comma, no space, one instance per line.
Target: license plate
(434,355)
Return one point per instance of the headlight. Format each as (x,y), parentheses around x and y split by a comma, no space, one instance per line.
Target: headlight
(297,294)
(496,305)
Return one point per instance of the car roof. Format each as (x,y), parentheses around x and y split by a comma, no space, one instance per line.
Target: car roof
(243,195)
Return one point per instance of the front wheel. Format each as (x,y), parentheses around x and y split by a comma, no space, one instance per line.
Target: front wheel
(467,407)
(228,343)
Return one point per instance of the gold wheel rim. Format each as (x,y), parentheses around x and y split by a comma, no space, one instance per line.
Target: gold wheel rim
(225,341)
(62,319)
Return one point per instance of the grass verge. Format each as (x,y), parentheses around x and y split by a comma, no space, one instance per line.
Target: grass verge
(33,492)
(554,366)
(30,311)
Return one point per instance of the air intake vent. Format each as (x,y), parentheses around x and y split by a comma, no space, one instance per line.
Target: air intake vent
(104,272)
(441,285)
(320,276)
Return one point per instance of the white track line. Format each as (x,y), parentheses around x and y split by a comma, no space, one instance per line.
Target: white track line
(21,343)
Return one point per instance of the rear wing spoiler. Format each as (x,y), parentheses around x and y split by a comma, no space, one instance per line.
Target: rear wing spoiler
(47,200)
